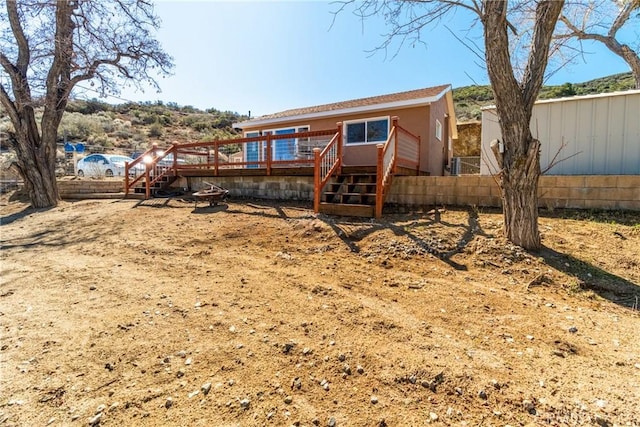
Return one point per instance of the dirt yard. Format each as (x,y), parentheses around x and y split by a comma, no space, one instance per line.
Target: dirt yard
(120,313)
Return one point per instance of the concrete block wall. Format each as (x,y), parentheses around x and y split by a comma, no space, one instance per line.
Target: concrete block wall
(559,191)
(261,187)
(581,192)
(444,190)
(590,191)
(89,186)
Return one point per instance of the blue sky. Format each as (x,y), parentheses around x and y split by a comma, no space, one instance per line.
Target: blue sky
(267,56)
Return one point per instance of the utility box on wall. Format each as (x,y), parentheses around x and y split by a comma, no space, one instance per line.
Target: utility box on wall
(587,135)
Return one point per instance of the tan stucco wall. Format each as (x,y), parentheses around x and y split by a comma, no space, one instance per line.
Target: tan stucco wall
(438,149)
(415,119)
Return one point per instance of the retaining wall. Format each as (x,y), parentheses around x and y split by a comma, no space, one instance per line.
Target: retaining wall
(97,188)
(581,192)
(261,187)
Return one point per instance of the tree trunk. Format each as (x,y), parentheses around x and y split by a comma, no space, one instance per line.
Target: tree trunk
(520,200)
(519,182)
(34,160)
(519,160)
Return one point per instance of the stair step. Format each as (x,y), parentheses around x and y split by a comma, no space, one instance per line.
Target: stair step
(334,193)
(340,209)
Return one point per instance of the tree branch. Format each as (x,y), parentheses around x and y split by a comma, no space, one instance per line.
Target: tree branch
(547,13)
(8,105)
(24,53)
(623,17)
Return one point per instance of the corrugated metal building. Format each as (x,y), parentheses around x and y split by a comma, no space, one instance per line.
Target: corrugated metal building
(600,134)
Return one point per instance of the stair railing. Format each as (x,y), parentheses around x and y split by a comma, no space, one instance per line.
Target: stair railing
(326,163)
(153,171)
(385,167)
(401,148)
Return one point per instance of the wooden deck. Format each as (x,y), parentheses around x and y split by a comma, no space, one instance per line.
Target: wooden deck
(399,155)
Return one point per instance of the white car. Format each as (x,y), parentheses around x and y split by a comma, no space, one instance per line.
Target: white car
(105,165)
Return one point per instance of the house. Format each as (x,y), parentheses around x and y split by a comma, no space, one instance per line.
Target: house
(347,152)
(586,135)
(426,113)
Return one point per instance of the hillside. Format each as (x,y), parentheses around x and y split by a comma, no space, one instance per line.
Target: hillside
(469,99)
(133,127)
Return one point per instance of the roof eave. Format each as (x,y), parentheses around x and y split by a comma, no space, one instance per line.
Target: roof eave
(576,98)
(417,102)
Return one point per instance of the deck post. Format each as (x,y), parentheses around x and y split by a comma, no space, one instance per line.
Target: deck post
(339,148)
(419,146)
(394,120)
(216,158)
(126,178)
(147,181)
(269,154)
(379,180)
(174,150)
(316,179)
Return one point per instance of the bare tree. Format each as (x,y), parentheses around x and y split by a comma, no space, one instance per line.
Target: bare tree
(602,21)
(47,47)
(515,85)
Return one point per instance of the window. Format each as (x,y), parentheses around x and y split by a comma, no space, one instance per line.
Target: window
(367,131)
(252,150)
(281,149)
(438,130)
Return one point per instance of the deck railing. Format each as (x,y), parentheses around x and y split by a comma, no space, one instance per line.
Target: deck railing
(402,148)
(150,167)
(265,152)
(321,150)
(326,163)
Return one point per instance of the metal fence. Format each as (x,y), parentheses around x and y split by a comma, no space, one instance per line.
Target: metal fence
(465,165)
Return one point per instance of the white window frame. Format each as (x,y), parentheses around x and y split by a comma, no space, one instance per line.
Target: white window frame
(364,120)
(438,130)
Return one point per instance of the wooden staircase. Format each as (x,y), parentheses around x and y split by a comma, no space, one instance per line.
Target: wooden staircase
(351,193)
(163,183)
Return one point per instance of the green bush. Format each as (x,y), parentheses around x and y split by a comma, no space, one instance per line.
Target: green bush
(156,130)
(77,126)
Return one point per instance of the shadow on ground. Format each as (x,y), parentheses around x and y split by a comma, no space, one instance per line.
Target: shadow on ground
(8,219)
(352,231)
(589,277)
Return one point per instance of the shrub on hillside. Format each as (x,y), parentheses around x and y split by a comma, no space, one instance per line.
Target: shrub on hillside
(155,130)
(77,126)
(90,106)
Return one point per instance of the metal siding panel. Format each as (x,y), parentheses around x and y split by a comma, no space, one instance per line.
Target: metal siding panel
(599,132)
(630,146)
(615,135)
(549,129)
(566,132)
(602,135)
(570,155)
(490,131)
(540,129)
(583,139)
